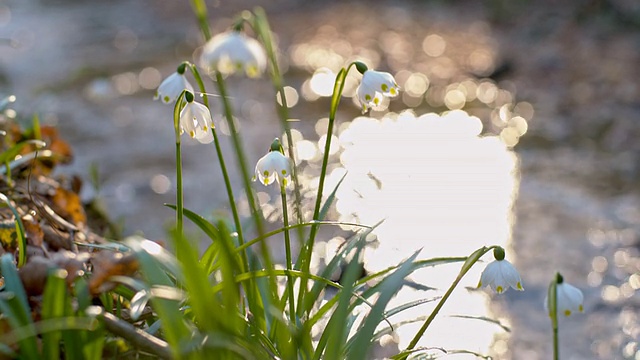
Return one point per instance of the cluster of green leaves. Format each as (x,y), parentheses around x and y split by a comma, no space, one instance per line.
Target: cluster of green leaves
(65,319)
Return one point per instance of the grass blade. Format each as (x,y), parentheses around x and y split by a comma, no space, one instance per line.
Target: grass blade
(208,228)
(388,288)
(54,302)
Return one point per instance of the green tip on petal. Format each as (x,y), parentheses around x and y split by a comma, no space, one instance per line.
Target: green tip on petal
(499,289)
(519,286)
(361,67)
(567,313)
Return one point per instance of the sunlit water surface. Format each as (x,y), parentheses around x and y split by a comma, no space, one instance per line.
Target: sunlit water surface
(441,187)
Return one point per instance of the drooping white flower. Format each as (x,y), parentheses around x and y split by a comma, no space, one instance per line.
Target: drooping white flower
(232,51)
(195,120)
(172,87)
(499,275)
(274,166)
(374,86)
(570,299)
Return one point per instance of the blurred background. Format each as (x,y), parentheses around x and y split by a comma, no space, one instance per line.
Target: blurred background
(523,131)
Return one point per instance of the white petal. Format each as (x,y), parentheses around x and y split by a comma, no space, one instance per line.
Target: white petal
(510,275)
(379,81)
(500,275)
(186,121)
(273,166)
(570,299)
(232,51)
(172,87)
(195,120)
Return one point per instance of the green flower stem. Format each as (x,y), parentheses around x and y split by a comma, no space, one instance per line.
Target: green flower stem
(251,288)
(200,10)
(179,196)
(295,226)
(307,249)
(287,243)
(256,215)
(552,295)
(261,26)
(223,167)
(471,260)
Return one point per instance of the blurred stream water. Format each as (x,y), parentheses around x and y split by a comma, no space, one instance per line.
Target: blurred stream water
(522,158)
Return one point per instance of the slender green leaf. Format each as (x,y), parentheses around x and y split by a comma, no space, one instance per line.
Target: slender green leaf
(476,354)
(83,296)
(389,288)
(208,228)
(37,134)
(10,154)
(54,301)
(484,318)
(203,301)
(229,267)
(12,308)
(409,305)
(404,354)
(336,327)
(152,260)
(416,265)
(330,199)
(46,326)
(208,259)
(332,266)
(13,283)
(22,240)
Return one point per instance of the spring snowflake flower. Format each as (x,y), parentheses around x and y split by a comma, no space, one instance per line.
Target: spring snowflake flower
(195,120)
(232,51)
(374,87)
(274,166)
(172,87)
(500,274)
(569,298)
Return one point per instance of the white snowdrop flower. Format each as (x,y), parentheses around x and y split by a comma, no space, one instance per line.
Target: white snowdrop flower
(232,51)
(274,166)
(500,274)
(195,120)
(569,299)
(172,87)
(374,86)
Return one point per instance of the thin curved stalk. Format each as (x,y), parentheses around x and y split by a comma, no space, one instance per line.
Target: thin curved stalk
(308,247)
(471,260)
(287,242)
(261,26)
(179,195)
(223,167)
(553,313)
